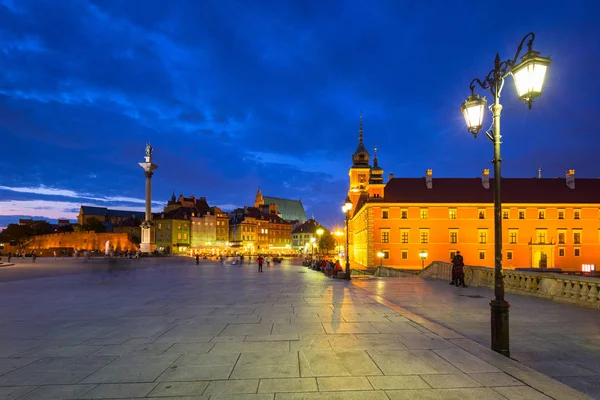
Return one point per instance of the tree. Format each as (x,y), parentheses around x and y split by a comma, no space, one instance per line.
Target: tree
(41,228)
(91,224)
(326,242)
(17,233)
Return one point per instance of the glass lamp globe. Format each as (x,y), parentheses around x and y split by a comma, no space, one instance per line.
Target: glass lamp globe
(529,76)
(473,109)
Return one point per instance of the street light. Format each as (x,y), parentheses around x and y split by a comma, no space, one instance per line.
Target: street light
(529,76)
(380,254)
(423,255)
(320,232)
(346,210)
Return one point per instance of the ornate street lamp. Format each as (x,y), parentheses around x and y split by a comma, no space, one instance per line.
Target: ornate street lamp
(320,232)
(346,210)
(529,75)
(380,254)
(423,255)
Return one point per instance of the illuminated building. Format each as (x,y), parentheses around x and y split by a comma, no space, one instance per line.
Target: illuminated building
(547,222)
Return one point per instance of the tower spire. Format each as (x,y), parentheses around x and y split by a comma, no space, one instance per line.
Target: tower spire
(375,160)
(360,128)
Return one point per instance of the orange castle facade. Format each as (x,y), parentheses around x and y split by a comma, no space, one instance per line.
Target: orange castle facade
(546,222)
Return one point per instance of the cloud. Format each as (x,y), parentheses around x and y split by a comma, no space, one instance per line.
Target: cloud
(47,191)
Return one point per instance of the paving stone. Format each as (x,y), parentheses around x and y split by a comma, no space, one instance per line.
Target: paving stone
(232,386)
(331,384)
(441,381)
(266,365)
(411,362)
(251,347)
(287,385)
(398,382)
(496,379)
(119,391)
(345,395)
(58,392)
(14,392)
(176,389)
(446,394)
(521,393)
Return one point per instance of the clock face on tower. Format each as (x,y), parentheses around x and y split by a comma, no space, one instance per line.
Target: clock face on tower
(362,178)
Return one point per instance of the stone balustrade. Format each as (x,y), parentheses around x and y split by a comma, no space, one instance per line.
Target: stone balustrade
(580,290)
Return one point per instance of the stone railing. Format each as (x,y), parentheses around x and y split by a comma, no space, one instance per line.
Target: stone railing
(580,290)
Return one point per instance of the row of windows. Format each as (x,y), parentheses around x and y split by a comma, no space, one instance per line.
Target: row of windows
(452,214)
(481,254)
(482,236)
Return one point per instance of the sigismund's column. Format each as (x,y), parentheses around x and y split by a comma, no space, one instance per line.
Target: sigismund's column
(148,244)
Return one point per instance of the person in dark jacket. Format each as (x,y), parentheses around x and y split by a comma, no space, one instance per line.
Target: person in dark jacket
(458,271)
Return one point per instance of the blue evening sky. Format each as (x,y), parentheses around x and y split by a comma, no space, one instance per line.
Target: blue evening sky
(234,95)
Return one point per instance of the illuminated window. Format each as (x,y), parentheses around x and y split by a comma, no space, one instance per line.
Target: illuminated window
(452,213)
(385,236)
(424,213)
(482,254)
(562,235)
(185,236)
(385,213)
(561,251)
(482,235)
(576,214)
(504,214)
(404,214)
(521,214)
(577,252)
(386,254)
(179,236)
(561,214)
(576,236)
(513,236)
(453,235)
(424,236)
(452,254)
(541,214)
(404,236)
(159,226)
(481,213)
(179,226)
(509,255)
(540,235)
(404,254)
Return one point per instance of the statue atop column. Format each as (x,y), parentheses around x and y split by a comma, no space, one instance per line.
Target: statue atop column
(148,243)
(148,150)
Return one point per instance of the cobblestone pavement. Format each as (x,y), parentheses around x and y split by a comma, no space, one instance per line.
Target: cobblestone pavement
(557,339)
(181,331)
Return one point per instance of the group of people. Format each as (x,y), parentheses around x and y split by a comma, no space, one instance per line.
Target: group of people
(458,271)
(329,268)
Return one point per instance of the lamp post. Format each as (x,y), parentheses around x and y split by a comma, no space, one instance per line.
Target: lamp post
(346,210)
(380,254)
(529,76)
(320,232)
(423,255)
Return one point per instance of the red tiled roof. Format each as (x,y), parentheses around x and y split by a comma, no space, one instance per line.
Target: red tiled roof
(470,190)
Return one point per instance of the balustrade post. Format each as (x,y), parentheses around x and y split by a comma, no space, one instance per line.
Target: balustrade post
(583,293)
(593,293)
(575,290)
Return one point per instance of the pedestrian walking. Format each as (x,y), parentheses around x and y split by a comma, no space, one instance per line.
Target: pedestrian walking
(33,256)
(197,258)
(260,261)
(458,271)
(9,255)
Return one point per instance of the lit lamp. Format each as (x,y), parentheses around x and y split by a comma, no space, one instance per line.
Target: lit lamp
(346,210)
(381,254)
(423,255)
(529,75)
(472,110)
(320,232)
(313,244)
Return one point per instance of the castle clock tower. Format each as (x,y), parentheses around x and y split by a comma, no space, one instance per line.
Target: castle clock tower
(360,171)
